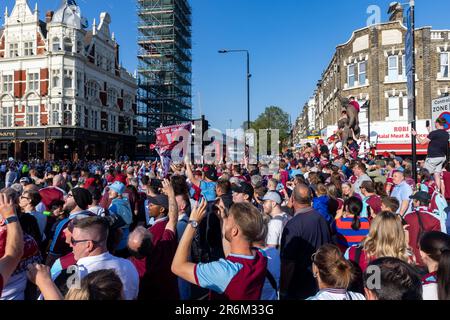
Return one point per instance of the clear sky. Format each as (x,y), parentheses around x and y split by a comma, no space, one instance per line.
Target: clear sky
(291,42)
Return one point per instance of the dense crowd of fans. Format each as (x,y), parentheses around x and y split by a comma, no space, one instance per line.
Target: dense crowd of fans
(332,223)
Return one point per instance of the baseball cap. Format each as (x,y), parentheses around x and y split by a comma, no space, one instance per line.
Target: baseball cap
(24,180)
(272,196)
(243,187)
(399,159)
(421,196)
(118,187)
(160,200)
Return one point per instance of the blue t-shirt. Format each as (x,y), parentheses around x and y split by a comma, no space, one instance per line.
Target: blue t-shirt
(273,266)
(402,192)
(208,190)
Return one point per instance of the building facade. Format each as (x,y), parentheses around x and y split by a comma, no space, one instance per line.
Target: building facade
(63,93)
(371,66)
(305,125)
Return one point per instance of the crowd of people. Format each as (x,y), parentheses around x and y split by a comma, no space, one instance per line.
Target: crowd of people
(334,222)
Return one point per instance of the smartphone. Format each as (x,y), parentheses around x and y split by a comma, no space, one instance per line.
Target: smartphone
(428,124)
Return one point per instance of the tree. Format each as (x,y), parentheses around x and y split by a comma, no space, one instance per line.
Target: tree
(273,118)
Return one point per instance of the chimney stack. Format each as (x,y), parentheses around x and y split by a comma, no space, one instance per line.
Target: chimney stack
(396,12)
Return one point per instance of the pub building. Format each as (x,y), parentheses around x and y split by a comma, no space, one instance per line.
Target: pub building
(63,92)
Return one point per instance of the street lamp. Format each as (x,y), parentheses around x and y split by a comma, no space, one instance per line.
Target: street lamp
(248,80)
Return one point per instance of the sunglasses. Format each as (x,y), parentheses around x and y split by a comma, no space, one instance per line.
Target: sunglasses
(75,242)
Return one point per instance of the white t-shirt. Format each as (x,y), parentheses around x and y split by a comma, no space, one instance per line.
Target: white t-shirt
(123,268)
(364,147)
(430,291)
(337,294)
(276,226)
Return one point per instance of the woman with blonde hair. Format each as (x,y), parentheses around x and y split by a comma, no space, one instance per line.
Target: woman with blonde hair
(386,238)
(334,275)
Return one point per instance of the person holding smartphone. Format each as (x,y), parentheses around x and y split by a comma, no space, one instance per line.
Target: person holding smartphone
(437,149)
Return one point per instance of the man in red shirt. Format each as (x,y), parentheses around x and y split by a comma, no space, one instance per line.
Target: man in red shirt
(241,275)
(153,259)
(420,221)
(53,193)
(14,240)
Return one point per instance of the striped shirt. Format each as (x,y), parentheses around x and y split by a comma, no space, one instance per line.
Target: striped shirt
(346,236)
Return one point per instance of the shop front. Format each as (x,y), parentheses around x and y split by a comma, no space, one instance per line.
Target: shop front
(64,144)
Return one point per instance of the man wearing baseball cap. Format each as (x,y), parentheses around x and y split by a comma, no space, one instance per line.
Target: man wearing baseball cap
(437,149)
(272,207)
(420,221)
(242,192)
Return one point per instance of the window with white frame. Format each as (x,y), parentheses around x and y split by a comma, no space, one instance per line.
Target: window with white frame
(33,81)
(67,115)
(68,77)
(7,83)
(93,89)
(54,114)
(56,46)
(33,116)
(13,50)
(405,108)
(112,97)
(112,123)
(351,75)
(394,108)
(445,64)
(7,116)
(393,68)
(94,120)
(362,72)
(28,48)
(56,78)
(68,45)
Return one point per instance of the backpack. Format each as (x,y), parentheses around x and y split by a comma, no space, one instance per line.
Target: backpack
(438,208)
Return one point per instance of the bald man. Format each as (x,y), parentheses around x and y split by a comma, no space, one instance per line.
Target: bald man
(302,236)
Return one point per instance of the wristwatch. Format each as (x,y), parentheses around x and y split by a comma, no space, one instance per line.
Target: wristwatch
(194,224)
(11,219)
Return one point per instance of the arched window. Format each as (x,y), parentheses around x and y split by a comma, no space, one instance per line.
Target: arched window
(56,46)
(68,45)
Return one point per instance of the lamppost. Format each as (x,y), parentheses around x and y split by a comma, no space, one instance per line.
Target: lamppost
(248,80)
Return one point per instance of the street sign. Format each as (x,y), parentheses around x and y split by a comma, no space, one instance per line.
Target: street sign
(409,60)
(440,108)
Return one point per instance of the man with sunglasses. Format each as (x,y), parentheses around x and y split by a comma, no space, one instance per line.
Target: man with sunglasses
(77,203)
(89,243)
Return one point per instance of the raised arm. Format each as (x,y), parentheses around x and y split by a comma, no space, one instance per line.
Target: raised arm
(189,173)
(173,207)
(420,139)
(181,265)
(40,275)
(14,239)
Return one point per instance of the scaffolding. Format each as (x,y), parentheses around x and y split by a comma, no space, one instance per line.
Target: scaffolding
(164,69)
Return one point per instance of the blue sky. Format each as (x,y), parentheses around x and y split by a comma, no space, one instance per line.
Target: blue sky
(291,42)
